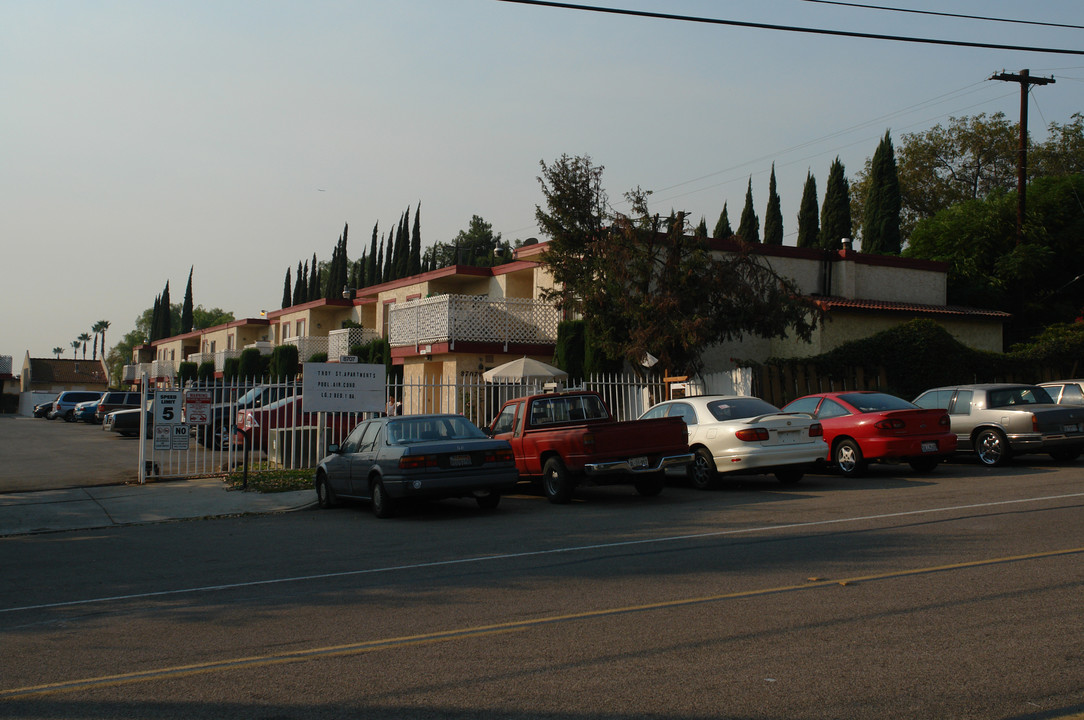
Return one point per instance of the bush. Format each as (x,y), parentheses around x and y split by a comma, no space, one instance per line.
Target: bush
(229,369)
(206,372)
(187,371)
(569,353)
(284,362)
(250,365)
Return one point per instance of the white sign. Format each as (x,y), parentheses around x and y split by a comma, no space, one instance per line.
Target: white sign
(180,437)
(197,407)
(344,387)
(167,408)
(163,436)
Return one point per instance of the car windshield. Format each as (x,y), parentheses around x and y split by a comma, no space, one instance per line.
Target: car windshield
(432,429)
(1023,395)
(735,408)
(876,402)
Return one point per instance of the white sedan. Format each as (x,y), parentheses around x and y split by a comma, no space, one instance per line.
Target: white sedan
(738,434)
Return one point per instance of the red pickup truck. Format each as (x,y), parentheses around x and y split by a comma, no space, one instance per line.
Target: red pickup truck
(570,438)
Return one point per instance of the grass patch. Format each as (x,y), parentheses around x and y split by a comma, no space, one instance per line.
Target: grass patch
(265,479)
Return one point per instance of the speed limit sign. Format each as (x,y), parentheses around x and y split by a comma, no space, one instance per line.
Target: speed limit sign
(167,408)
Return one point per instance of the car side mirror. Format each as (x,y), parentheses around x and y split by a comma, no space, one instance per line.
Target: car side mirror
(488,431)
(333,449)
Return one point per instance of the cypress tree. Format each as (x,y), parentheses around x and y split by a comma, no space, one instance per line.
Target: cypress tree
(370,262)
(836,210)
(402,247)
(380,263)
(314,280)
(389,259)
(722,228)
(808,222)
(156,321)
(165,328)
(186,308)
(415,266)
(881,219)
(286,301)
(702,229)
(300,290)
(749,227)
(773,216)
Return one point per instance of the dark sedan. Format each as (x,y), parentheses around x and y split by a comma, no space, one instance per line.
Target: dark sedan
(388,460)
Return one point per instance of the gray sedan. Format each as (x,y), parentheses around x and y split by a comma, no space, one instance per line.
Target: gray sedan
(391,459)
(999,420)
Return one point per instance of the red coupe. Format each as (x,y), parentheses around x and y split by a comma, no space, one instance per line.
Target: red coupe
(860,427)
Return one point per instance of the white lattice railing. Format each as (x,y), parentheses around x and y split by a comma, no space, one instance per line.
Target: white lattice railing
(200,357)
(307,346)
(339,342)
(472,318)
(222,356)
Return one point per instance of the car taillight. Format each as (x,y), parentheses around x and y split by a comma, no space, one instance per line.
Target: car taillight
(752,435)
(496,456)
(1034,423)
(588,440)
(889,424)
(944,421)
(816,430)
(417,462)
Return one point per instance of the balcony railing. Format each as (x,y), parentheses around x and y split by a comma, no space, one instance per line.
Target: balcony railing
(339,342)
(307,346)
(472,318)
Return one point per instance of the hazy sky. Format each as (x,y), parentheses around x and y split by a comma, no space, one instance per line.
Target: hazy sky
(138,139)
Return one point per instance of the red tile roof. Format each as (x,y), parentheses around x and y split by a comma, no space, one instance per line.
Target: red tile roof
(44,370)
(839,303)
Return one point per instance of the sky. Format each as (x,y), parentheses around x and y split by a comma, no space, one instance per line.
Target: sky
(140,139)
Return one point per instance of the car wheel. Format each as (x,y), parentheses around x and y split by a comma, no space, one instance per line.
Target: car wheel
(790,476)
(702,472)
(488,501)
(651,485)
(991,447)
(1065,455)
(325,496)
(383,505)
(925,465)
(848,458)
(69,416)
(556,483)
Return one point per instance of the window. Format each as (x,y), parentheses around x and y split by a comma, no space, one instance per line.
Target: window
(301,328)
(744,407)
(506,421)
(804,405)
(1072,395)
(831,409)
(286,331)
(683,411)
(962,406)
(935,399)
(875,402)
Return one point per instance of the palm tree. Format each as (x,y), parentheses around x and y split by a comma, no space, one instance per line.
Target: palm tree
(83,338)
(102,326)
(58,351)
(75,348)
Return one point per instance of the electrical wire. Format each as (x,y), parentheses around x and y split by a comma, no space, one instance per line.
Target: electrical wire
(945,14)
(789,28)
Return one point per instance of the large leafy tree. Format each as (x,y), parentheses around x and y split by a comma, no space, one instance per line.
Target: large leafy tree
(749,225)
(836,210)
(1035,281)
(808,222)
(646,285)
(773,216)
(881,215)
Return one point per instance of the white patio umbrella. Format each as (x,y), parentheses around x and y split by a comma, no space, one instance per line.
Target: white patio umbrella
(524,369)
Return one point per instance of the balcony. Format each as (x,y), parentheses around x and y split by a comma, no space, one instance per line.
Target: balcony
(307,346)
(339,342)
(157,371)
(472,318)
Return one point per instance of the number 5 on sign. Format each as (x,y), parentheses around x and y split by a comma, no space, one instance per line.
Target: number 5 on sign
(167,408)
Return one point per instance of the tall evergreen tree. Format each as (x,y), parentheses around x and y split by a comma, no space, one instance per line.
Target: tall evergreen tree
(881,215)
(773,216)
(301,290)
(343,277)
(156,320)
(165,323)
(370,262)
(415,264)
(186,308)
(286,300)
(702,229)
(749,227)
(389,257)
(808,221)
(722,227)
(402,247)
(836,210)
(314,280)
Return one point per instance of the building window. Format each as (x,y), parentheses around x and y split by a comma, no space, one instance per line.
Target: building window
(285,331)
(230,341)
(301,328)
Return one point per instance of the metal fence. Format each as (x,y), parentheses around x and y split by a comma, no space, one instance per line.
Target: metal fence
(257,426)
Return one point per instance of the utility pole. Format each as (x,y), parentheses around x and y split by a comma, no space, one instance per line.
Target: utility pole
(1025,79)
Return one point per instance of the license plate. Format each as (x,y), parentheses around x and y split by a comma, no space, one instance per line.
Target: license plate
(929,447)
(1071,428)
(459,460)
(788,436)
(638,462)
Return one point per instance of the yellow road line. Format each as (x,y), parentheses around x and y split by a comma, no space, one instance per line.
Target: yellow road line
(484,630)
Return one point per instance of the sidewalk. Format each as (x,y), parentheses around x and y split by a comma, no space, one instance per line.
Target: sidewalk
(25,513)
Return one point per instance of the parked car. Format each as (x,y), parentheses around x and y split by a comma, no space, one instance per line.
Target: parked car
(64,407)
(390,459)
(43,409)
(289,412)
(126,422)
(734,434)
(569,438)
(1065,392)
(218,433)
(997,421)
(84,411)
(861,427)
(115,400)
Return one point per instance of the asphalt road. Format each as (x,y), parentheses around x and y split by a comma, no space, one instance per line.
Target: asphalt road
(959,594)
(40,454)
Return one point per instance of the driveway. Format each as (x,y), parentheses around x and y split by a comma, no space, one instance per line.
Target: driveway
(43,454)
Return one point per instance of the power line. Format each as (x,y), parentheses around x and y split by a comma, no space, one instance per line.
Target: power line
(945,14)
(788,28)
